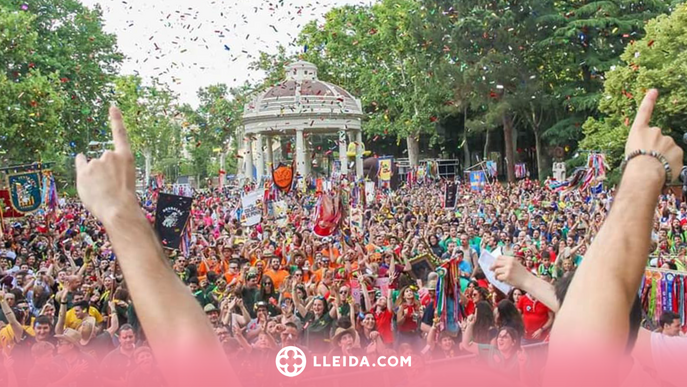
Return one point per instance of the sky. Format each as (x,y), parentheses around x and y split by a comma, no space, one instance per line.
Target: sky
(190,44)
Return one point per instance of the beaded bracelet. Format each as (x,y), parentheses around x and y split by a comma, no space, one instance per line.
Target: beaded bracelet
(658,156)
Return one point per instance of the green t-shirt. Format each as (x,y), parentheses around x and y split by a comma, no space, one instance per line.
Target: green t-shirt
(496,361)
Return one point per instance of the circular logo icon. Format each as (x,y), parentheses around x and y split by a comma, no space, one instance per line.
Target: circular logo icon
(291,361)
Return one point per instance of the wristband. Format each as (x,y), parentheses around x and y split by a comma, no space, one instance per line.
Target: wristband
(654,154)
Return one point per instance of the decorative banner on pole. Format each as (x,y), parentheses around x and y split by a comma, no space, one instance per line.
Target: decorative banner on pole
(49,192)
(251,214)
(478,180)
(6,209)
(280,209)
(171,217)
(385,169)
(356,219)
(283,178)
(450,195)
(25,191)
(369,191)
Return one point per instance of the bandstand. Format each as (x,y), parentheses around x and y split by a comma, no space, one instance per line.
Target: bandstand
(300,106)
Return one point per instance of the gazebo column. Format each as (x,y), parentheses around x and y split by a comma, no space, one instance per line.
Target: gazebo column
(269,156)
(343,149)
(308,159)
(259,158)
(359,154)
(300,152)
(248,158)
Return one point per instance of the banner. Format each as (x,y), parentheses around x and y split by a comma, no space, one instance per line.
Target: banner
(6,209)
(280,210)
(251,214)
(171,216)
(478,180)
(283,178)
(25,191)
(450,195)
(369,192)
(49,190)
(356,220)
(385,169)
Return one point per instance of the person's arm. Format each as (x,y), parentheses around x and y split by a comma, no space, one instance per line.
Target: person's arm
(302,310)
(467,344)
(114,320)
(62,313)
(617,257)
(16,327)
(509,270)
(179,335)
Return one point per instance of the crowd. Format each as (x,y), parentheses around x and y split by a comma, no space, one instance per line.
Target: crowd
(67,318)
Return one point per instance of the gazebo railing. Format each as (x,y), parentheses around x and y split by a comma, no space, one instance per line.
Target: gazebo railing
(289,104)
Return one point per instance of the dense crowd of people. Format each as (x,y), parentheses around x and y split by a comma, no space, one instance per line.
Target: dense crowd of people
(67,318)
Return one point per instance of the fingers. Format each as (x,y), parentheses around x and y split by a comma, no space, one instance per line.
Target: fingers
(119,136)
(80,162)
(646,109)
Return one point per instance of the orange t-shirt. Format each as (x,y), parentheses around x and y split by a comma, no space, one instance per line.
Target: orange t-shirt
(277,276)
(230,277)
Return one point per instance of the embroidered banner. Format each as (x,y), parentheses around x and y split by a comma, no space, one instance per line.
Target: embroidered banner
(6,208)
(25,191)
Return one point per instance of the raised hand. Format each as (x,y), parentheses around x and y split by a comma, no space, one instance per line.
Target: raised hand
(107,185)
(508,270)
(647,138)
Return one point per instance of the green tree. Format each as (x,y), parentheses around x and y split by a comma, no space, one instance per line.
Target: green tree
(591,35)
(149,115)
(212,127)
(74,49)
(377,53)
(659,60)
(32,100)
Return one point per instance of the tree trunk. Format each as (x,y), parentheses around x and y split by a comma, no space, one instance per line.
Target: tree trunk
(540,155)
(223,172)
(413,150)
(466,147)
(147,153)
(486,145)
(508,137)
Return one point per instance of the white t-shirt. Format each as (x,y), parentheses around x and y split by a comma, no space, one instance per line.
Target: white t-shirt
(669,355)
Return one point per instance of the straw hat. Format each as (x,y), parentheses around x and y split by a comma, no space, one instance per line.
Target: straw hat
(71,335)
(339,333)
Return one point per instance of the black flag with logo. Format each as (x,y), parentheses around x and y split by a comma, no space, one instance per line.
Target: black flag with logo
(171,216)
(450,195)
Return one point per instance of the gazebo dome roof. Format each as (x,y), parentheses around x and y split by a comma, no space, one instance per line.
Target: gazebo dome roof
(301,95)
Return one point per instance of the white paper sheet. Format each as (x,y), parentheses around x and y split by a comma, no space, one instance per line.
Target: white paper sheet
(486,261)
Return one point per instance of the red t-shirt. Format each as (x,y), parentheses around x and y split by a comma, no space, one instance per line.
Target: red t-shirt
(409,324)
(383,323)
(534,315)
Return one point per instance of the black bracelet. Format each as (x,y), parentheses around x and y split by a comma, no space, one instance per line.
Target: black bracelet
(656,155)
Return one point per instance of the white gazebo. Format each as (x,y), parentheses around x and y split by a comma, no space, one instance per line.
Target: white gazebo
(299,106)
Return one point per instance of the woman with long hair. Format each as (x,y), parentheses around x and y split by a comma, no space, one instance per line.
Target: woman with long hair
(505,356)
(485,329)
(269,295)
(408,315)
(317,319)
(507,315)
